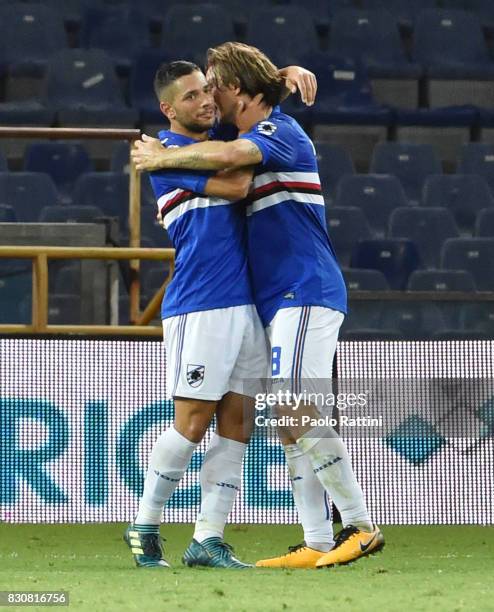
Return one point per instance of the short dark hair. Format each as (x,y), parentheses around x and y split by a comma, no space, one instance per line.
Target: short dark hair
(169,72)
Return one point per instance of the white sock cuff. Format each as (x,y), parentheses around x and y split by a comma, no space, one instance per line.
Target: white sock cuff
(178,438)
(232,447)
(292,452)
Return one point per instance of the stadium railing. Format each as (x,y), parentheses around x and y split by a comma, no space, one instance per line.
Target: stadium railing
(39,255)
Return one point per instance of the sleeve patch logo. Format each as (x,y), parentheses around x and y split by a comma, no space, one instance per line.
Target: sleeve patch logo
(267,128)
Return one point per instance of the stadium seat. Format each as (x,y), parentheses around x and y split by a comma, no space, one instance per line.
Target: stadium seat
(344,93)
(346,226)
(377,195)
(333,163)
(7,214)
(17,189)
(441,280)
(450,44)
(410,163)
(404,11)
(70,214)
(475,255)
(154,278)
(485,11)
(151,229)
(68,279)
(120,159)
(189,30)
(3,163)
(30,34)
(142,93)
(64,309)
(365,280)
(121,31)
(362,314)
(484,226)
(372,37)
(64,162)
(465,195)
(284,32)
(415,321)
(82,86)
(15,285)
(428,228)
(478,158)
(323,12)
(478,317)
(396,258)
(108,191)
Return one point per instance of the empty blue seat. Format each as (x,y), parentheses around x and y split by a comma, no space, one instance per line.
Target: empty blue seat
(450,44)
(344,93)
(121,31)
(82,86)
(27,193)
(70,214)
(478,158)
(465,195)
(151,229)
(396,258)
(7,214)
(25,112)
(478,317)
(475,255)
(441,280)
(30,34)
(415,321)
(372,37)
(365,280)
(484,227)
(428,228)
(346,226)
(377,195)
(189,30)
(64,162)
(67,279)
(333,163)
(15,285)
(64,309)
(323,12)
(285,33)
(141,92)
(362,315)
(404,11)
(109,191)
(485,11)
(410,163)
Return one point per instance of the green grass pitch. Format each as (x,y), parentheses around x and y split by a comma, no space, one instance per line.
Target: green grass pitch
(421,568)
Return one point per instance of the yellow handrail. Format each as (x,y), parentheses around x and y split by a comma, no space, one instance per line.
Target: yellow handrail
(40,256)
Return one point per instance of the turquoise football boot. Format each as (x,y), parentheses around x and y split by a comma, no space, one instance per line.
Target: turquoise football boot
(212,552)
(146,546)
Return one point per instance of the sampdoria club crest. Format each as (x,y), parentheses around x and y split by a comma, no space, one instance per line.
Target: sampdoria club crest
(195,374)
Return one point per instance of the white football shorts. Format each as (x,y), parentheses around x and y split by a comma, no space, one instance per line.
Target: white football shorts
(212,352)
(303,344)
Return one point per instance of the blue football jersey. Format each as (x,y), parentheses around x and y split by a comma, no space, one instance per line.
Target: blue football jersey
(291,258)
(209,236)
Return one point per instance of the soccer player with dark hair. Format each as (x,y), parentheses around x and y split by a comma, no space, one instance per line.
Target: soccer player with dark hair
(298,287)
(213,336)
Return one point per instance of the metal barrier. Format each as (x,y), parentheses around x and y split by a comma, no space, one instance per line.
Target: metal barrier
(40,257)
(134,185)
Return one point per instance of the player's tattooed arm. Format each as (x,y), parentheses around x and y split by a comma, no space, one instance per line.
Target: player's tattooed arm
(149,154)
(298,78)
(230,184)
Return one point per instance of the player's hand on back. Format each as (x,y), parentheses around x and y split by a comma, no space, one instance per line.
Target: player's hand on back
(146,153)
(302,80)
